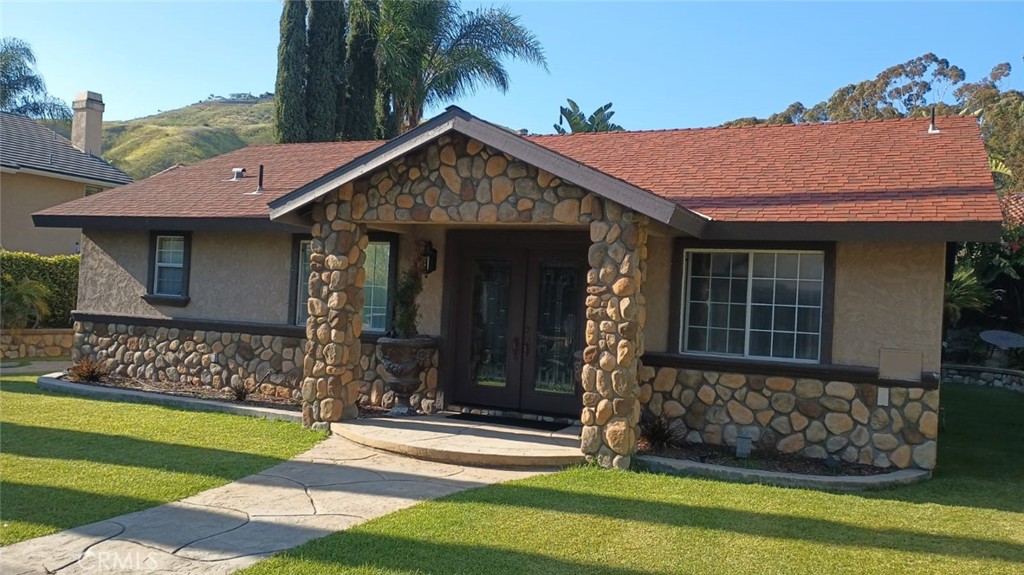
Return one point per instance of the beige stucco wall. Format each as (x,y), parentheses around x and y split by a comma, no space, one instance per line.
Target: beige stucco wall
(23,194)
(242,277)
(888,296)
(657,290)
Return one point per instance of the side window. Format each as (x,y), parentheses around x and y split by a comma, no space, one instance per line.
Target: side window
(378,288)
(170,256)
(302,282)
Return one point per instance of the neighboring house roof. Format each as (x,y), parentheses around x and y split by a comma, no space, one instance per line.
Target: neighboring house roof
(708,182)
(1013,208)
(28,146)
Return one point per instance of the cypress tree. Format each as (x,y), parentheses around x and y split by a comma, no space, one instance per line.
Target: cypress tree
(290,90)
(326,65)
(361,65)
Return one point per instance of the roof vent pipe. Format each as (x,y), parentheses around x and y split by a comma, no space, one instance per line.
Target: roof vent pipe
(259,186)
(931,125)
(237,174)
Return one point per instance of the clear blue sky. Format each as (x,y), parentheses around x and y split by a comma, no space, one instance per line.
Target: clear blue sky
(664,65)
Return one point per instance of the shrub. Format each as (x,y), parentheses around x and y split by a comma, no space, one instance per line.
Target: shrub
(58,273)
(88,369)
(23,304)
(965,292)
(660,432)
(240,390)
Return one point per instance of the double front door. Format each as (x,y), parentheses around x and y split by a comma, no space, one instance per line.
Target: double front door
(519,333)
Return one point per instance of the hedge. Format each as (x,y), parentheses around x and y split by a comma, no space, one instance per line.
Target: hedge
(59,273)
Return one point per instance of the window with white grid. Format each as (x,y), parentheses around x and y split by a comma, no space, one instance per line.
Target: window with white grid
(375,290)
(757,304)
(169,266)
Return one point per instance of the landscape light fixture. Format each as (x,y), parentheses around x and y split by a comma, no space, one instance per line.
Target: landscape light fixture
(743,444)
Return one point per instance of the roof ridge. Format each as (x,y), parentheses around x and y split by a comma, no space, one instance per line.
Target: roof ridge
(749,126)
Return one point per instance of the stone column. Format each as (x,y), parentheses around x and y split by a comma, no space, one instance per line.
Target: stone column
(332,369)
(616,312)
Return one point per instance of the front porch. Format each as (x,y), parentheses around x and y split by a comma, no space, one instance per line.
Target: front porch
(536,305)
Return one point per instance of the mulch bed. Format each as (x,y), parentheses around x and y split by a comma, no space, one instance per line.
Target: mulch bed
(188,390)
(726,456)
(373,412)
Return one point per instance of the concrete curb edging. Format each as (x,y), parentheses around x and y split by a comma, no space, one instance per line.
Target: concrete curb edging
(50,382)
(841,483)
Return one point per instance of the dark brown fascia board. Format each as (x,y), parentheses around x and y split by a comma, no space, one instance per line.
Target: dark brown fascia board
(458,120)
(854,231)
(144,223)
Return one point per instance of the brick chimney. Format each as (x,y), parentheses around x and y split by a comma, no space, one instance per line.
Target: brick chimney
(87,125)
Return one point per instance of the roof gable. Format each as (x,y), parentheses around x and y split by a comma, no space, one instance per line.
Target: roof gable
(457,120)
(29,146)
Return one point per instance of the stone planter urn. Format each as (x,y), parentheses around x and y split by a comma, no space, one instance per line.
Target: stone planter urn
(403,359)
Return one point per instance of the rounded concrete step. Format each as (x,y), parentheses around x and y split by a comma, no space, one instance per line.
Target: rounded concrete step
(437,438)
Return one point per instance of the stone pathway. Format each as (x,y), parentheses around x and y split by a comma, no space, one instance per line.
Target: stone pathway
(37,366)
(331,487)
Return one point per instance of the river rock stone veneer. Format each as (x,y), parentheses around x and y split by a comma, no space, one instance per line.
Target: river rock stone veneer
(215,359)
(809,417)
(458,179)
(616,312)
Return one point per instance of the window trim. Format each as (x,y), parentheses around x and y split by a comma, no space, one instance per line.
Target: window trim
(678,285)
(163,299)
(389,237)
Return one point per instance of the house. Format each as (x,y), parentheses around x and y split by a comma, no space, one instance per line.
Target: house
(784,283)
(39,169)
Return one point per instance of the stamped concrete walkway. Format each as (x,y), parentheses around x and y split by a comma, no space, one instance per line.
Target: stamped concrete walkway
(331,487)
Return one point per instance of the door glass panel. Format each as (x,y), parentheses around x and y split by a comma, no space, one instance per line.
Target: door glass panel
(558,325)
(488,357)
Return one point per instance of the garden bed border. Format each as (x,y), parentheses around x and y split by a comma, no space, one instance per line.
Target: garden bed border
(52,382)
(1012,379)
(688,468)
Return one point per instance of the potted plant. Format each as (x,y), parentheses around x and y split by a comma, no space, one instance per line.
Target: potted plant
(402,351)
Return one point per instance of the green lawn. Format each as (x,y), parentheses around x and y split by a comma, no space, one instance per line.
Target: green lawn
(68,461)
(968,519)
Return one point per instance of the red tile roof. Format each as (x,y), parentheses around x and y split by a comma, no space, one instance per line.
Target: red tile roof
(1013,208)
(875,171)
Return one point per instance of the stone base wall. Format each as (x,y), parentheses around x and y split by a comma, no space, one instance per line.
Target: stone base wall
(986,376)
(375,392)
(801,416)
(35,343)
(203,358)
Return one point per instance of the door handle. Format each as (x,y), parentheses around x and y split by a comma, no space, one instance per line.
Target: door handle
(515,349)
(526,348)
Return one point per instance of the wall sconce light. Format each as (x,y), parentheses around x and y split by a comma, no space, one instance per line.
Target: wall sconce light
(429,258)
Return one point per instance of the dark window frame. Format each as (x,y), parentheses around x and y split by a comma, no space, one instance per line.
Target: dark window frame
(389,237)
(678,284)
(161,299)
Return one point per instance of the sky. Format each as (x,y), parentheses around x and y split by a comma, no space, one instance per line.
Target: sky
(662,64)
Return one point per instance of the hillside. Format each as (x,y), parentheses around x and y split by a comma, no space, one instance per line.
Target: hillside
(145,146)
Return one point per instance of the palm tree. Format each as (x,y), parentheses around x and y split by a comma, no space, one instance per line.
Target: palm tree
(577,121)
(430,51)
(22,90)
